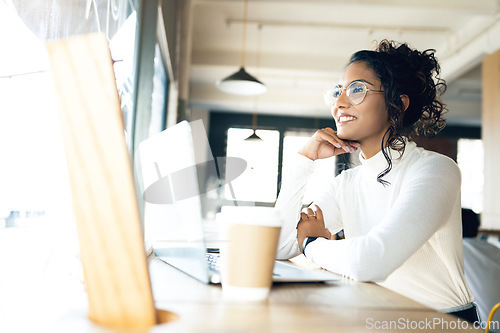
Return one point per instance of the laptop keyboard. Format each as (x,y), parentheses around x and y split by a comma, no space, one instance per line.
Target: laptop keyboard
(213,262)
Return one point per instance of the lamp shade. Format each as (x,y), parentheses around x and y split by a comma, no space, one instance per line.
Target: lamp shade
(254,137)
(241,83)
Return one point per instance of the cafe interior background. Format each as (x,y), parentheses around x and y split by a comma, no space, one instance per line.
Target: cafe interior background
(170,61)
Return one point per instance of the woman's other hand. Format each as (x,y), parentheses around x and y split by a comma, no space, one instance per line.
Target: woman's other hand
(311,224)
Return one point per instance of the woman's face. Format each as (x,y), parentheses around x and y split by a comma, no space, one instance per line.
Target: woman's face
(368,121)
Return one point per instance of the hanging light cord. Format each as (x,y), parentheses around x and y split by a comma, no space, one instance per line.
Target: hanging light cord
(245,13)
(259,42)
(254,121)
(255,101)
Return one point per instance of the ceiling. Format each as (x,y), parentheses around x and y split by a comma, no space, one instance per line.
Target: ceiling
(297,47)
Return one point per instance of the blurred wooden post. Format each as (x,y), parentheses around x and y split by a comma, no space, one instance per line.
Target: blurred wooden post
(102,188)
(490,218)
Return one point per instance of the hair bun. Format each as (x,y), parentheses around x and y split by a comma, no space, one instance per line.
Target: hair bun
(416,74)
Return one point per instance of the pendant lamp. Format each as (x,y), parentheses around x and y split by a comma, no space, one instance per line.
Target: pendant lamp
(241,82)
(254,136)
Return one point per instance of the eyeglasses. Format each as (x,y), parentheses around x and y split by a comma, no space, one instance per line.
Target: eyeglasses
(356,91)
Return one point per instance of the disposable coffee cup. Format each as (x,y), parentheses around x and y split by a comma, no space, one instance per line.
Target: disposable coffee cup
(252,235)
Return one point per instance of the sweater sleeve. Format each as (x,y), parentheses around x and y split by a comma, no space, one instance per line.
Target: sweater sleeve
(289,205)
(425,202)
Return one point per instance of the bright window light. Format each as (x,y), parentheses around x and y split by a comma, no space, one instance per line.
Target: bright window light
(470,158)
(259,181)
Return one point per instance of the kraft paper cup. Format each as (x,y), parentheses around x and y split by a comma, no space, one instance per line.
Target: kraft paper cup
(252,235)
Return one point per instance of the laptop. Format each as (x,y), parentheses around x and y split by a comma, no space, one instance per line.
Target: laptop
(171,167)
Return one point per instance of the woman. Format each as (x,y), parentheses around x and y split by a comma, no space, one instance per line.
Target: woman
(400,209)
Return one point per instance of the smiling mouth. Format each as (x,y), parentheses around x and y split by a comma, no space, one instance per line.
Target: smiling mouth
(344,119)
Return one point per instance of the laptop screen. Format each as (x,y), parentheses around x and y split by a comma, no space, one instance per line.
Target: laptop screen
(169,184)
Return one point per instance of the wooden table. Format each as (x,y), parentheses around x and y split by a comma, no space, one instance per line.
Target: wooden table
(340,306)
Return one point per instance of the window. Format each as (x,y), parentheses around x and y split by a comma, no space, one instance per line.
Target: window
(470,158)
(34,180)
(259,181)
(36,219)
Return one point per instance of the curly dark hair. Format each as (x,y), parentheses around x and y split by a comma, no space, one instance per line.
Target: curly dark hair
(405,71)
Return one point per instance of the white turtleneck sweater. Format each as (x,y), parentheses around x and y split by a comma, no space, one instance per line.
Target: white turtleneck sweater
(406,236)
